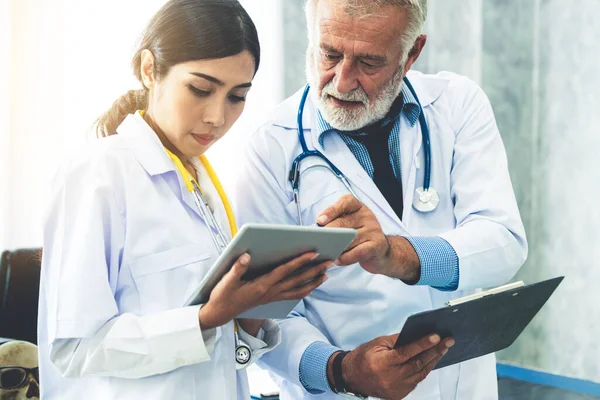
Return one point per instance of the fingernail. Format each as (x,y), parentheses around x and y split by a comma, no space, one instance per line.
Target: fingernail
(330,265)
(337,262)
(245,259)
(325,278)
(444,352)
(450,343)
(434,339)
(322,219)
(315,257)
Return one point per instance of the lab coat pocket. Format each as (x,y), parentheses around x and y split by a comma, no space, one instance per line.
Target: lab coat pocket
(165,280)
(313,201)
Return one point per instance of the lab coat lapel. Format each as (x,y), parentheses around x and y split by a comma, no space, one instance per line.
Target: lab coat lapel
(410,145)
(151,155)
(338,152)
(411,140)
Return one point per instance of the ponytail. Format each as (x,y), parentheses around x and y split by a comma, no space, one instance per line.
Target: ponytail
(128,103)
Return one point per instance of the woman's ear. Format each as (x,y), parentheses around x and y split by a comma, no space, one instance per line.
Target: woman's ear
(147,69)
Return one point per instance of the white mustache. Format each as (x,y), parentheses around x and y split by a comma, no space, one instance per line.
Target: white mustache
(357,95)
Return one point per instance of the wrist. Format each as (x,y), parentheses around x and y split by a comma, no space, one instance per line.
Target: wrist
(250,326)
(206,317)
(403,261)
(347,374)
(339,374)
(330,370)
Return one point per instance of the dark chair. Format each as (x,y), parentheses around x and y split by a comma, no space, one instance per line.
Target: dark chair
(19,292)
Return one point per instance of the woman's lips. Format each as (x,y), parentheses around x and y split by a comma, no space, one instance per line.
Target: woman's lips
(203,139)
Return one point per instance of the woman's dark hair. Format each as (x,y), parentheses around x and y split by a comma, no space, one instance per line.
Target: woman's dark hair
(181,31)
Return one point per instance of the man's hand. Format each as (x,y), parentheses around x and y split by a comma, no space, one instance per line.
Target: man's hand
(372,249)
(377,369)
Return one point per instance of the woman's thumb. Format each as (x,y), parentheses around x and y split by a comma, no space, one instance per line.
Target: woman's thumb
(240,267)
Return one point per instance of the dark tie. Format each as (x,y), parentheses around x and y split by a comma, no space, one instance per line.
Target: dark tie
(376,139)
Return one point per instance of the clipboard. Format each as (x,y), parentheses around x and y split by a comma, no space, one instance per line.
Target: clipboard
(482,323)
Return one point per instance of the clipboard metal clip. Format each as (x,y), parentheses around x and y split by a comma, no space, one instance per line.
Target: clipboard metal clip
(484,293)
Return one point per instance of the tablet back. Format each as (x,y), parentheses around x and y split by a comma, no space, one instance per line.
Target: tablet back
(270,246)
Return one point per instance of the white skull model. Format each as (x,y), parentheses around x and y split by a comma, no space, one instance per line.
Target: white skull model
(24,357)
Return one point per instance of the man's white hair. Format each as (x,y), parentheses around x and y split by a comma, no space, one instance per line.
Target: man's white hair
(375,108)
(417,13)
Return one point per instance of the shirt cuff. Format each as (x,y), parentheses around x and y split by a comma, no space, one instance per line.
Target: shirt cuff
(439,262)
(268,337)
(313,367)
(171,332)
(210,338)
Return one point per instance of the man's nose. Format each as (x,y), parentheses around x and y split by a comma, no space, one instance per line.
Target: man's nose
(346,77)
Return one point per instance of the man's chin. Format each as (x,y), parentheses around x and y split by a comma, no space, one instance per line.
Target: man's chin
(342,119)
(344,124)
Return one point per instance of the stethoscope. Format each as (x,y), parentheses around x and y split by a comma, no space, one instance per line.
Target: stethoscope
(243,352)
(425,199)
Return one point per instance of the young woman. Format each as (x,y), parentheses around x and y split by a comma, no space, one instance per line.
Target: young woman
(128,237)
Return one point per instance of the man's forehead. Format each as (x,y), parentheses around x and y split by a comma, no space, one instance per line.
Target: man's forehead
(382,28)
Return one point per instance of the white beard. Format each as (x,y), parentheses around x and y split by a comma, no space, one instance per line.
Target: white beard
(343,119)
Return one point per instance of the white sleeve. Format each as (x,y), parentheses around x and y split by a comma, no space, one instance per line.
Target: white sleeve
(267,339)
(132,347)
(84,235)
(490,238)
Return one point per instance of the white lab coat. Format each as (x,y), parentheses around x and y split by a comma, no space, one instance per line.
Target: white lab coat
(477,215)
(124,247)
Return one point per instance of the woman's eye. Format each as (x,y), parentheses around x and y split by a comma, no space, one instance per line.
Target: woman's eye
(237,99)
(198,92)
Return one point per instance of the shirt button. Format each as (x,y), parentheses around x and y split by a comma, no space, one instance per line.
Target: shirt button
(418,163)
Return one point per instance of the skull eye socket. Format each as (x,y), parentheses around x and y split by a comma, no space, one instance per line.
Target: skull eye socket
(11,378)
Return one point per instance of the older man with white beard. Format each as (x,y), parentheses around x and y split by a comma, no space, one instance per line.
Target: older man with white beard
(436,213)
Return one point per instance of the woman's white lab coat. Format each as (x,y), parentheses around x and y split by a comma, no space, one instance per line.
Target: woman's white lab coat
(124,247)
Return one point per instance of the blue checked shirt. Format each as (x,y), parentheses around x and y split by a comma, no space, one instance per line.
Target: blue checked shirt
(439,261)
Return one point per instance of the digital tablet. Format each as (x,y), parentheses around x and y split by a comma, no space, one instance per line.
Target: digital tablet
(481,324)
(270,246)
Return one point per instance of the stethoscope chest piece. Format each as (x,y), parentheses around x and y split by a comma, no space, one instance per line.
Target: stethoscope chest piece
(426,200)
(242,353)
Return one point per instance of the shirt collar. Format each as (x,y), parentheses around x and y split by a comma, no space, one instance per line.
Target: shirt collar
(145,144)
(410,108)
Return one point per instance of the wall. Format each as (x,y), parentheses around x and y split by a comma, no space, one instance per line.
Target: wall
(69,60)
(5,39)
(537,61)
